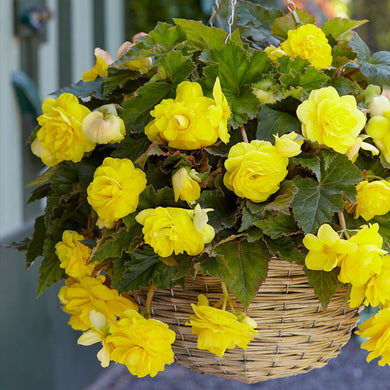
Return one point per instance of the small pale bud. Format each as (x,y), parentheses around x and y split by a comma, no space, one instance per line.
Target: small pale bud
(104,126)
(379,105)
(263,91)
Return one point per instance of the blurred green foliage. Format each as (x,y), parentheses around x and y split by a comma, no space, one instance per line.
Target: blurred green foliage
(143,16)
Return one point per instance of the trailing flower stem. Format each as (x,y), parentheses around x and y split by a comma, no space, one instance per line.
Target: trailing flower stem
(343,224)
(149,299)
(243,133)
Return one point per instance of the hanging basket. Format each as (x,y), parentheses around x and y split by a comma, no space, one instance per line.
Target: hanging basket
(295,334)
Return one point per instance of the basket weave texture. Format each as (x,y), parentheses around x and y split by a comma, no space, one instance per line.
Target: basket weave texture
(294,336)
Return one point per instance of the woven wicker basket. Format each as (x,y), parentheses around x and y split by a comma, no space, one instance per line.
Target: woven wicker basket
(295,334)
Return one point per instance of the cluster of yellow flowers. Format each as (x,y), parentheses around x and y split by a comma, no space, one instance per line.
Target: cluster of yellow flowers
(190,121)
(143,345)
(366,266)
(253,170)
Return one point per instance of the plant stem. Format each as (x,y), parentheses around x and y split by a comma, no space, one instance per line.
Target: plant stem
(243,134)
(149,298)
(343,224)
(226,297)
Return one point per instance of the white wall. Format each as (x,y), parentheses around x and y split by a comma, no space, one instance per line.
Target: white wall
(11,178)
(82,59)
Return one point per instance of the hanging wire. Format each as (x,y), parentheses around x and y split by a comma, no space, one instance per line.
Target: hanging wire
(214,12)
(232,11)
(292,8)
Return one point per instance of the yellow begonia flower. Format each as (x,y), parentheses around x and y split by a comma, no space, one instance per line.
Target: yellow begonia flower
(103,60)
(288,145)
(98,334)
(173,230)
(377,330)
(309,42)
(274,53)
(80,297)
(184,186)
(331,120)
(74,255)
(218,330)
(378,128)
(353,151)
(143,345)
(378,287)
(254,170)
(60,137)
(219,113)
(115,189)
(104,126)
(372,199)
(191,121)
(358,267)
(326,249)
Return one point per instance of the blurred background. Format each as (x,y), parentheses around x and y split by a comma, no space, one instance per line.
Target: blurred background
(46,45)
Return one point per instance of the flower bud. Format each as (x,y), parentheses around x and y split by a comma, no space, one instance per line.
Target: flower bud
(379,105)
(184,185)
(274,53)
(262,90)
(104,126)
(288,145)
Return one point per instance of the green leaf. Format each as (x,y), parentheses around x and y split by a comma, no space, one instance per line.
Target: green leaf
(50,271)
(285,248)
(83,89)
(200,36)
(339,27)
(118,78)
(247,219)
(277,226)
(146,267)
(315,202)
(150,199)
(35,247)
(287,22)
(175,67)
(282,202)
(324,283)
(237,71)
(136,110)
(224,208)
(256,14)
(310,162)
(215,266)
(298,78)
(377,69)
(272,122)
(248,262)
(344,86)
(165,35)
(255,21)
(132,148)
(360,48)
(116,244)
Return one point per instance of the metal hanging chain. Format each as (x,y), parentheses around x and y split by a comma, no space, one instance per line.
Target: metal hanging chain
(232,11)
(292,8)
(214,12)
